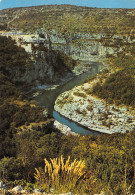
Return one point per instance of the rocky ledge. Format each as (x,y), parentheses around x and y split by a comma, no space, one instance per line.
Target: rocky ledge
(63,129)
(94,113)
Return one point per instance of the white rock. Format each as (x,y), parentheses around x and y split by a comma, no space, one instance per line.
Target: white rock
(18,189)
(118,118)
(1,184)
(37,191)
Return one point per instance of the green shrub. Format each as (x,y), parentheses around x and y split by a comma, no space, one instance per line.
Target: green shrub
(29,187)
(118,88)
(80,94)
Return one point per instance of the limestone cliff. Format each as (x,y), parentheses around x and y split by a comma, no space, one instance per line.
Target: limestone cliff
(84,48)
(45,64)
(87,35)
(87,47)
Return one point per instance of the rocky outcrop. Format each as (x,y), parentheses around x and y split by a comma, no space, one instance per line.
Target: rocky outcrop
(39,72)
(47,65)
(81,46)
(85,34)
(84,48)
(93,112)
(88,47)
(63,129)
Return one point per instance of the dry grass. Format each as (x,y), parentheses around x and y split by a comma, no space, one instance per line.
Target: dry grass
(61,175)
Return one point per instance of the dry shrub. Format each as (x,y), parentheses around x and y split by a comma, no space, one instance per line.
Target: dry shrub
(61,175)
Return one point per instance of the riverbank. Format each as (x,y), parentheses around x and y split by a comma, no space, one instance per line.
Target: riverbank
(71,126)
(94,113)
(47,97)
(63,129)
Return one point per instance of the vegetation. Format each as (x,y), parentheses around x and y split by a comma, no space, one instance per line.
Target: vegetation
(109,162)
(11,55)
(15,110)
(64,61)
(60,175)
(125,61)
(80,94)
(106,162)
(119,87)
(68,19)
(60,62)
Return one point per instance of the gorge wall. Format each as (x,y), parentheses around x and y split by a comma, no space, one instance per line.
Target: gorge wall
(49,66)
(43,66)
(86,35)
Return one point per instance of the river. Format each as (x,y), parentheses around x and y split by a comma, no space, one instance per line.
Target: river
(47,98)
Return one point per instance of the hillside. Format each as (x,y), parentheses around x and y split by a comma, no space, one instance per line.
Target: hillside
(69,19)
(87,35)
(43,45)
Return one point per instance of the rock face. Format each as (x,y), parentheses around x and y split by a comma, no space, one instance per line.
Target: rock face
(85,34)
(17,188)
(38,73)
(88,47)
(44,67)
(93,112)
(84,48)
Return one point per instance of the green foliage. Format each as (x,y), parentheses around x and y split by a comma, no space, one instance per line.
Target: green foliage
(3,26)
(11,58)
(80,94)
(29,187)
(38,144)
(9,169)
(11,55)
(133,50)
(14,183)
(109,158)
(67,19)
(63,60)
(30,149)
(119,87)
(15,110)
(125,61)
(112,160)
(8,90)
(13,116)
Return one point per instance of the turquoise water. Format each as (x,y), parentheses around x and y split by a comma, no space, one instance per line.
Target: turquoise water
(48,97)
(77,128)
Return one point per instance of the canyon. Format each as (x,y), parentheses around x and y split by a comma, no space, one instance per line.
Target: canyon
(59,54)
(67,88)
(84,48)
